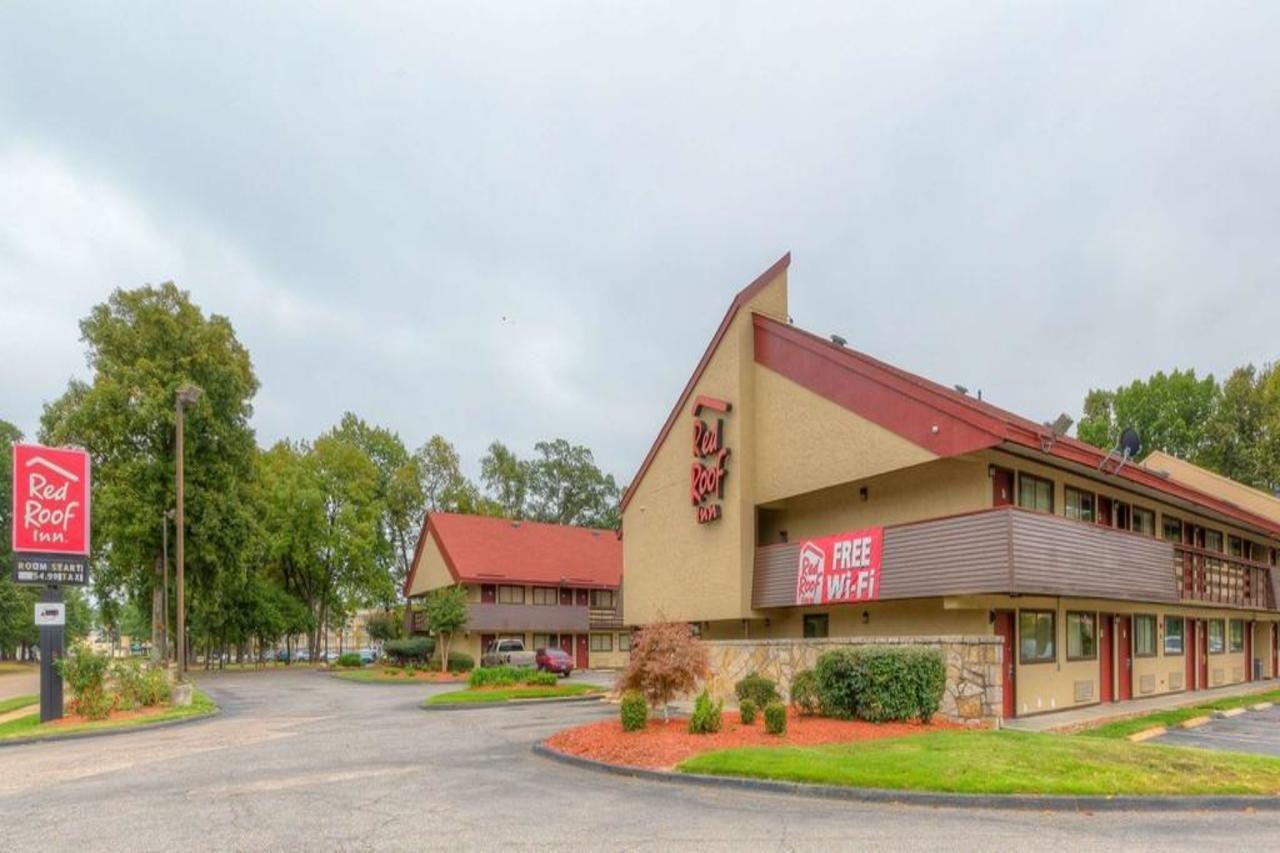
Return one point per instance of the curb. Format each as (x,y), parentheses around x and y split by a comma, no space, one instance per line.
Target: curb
(999,802)
(510,703)
(1230,712)
(1261,706)
(130,730)
(1147,734)
(1194,722)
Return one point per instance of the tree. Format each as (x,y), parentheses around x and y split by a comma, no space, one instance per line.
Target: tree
(666,661)
(444,487)
(447,614)
(17,630)
(384,626)
(1169,411)
(142,345)
(506,477)
(566,487)
(1240,437)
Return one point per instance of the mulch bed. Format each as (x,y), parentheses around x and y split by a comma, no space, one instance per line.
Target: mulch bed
(73,719)
(421,675)
(661,746)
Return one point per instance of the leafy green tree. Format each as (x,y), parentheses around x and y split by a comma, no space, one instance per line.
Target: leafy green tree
(566,487)
(1169,411)
(1240,437)
(17,629)
(506,477)
(447,614)
(142,345)
(444,487)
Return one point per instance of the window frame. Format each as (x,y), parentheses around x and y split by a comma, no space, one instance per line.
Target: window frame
(547,645)
(546,591)
(1164,529)
(1209,532)
(624,641)
(1155,635)
(1222,636)
(1134,512)
(507,586)
(1036,480)
(1052,657)
(1067,492)
(814,619)
(1182,636)
(591,600)
(1093,620)
(607,643)
(1232,649)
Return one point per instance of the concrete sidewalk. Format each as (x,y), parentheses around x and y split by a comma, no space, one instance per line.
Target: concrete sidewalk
(1095,714)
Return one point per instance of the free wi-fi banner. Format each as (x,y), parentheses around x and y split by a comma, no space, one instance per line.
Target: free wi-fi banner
(840,569)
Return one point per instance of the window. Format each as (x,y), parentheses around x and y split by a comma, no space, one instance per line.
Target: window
(1172,529)
(1144,521)
(602,642)
(624,642)
(546,595)
(1174,626)
(1236,627)
(602,598)
(1078,504)
(1213,540)
(511,595)
(1123,515)
(1144,636)
(1035,493)
(544,641)
(1036,634)
(1082,636)
(1235,546)
(816,625)
(1216,645)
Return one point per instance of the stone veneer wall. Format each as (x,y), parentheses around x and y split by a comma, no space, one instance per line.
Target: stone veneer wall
(974,683)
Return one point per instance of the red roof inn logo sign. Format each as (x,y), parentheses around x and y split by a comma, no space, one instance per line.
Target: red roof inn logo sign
(844,568)
(50,515)
(706,477)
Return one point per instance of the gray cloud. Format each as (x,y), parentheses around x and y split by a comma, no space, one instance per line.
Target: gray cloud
(1031,201)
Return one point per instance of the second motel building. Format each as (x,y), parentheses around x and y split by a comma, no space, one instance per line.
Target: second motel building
(802,489)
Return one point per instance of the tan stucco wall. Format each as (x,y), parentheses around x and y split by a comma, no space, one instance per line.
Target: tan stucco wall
(806,442)
(430,570)
(1243,496)
(676,568)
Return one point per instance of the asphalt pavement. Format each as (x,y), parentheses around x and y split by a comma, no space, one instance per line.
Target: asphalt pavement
(301,761)
(1253,731)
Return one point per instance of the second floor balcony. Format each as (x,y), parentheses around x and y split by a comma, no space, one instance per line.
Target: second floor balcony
(491,617)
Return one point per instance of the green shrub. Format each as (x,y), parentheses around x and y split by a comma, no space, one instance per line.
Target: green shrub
(747,710)
(757,688)
(775,717)
(458,662)
(804,692)
(350,659)
(416,649)
(707,716)
(880,683)
(85,672)
(541,679)
(635,712)
(156,689)
(506,676)
(126,683)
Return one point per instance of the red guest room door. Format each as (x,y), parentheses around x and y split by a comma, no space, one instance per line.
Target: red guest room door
(1004,630)
(583,660)
(1106,655)
(1124,665)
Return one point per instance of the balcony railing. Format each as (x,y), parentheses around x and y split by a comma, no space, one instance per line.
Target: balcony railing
(605,617)
(1208,576)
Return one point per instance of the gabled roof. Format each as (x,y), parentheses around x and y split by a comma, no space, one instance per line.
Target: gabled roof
(1190,474)
(943,420)
(485,549)
(744,296)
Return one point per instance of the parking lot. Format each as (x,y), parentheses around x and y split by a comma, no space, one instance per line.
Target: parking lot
(1252,731)
(302,761)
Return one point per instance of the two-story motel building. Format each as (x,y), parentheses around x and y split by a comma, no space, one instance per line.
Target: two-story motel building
(546,584)
(802,489)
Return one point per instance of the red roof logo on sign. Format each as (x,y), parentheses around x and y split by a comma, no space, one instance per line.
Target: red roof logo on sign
(813,564)
(50,500)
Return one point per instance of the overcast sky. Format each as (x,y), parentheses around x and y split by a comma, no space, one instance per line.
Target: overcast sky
(524,220)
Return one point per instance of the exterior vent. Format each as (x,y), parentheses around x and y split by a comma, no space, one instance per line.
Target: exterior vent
(1237,674)
(1175,680)
(1083,691)
(1147,684)
(1216,677)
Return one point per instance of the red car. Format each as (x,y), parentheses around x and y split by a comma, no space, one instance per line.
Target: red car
(553,660)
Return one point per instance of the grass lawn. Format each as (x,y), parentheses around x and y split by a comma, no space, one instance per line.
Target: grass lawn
(990,762)
(30,727)
(9,667)
(395,675)
(7,705)
(1124,728)
(506,694)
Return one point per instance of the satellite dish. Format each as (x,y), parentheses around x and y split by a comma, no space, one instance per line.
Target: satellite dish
(1130,443)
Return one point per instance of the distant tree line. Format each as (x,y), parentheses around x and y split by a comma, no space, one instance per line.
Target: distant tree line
(281,542)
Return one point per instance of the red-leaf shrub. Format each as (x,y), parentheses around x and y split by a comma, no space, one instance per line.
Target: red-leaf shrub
(666,661)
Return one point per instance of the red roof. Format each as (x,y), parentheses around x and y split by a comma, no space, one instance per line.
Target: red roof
(939,418)
(484,549)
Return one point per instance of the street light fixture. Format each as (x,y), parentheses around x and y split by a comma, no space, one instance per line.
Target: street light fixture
(188,395)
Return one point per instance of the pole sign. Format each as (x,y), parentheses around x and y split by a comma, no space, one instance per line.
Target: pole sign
(50,515)
(840,569)
(710,455)
(51,613)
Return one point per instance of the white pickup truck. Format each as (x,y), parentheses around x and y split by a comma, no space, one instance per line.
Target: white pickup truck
(508,653)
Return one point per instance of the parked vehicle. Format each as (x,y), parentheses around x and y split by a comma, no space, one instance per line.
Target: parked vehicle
(367,656)
(507,653)
(553,660)
(302,656)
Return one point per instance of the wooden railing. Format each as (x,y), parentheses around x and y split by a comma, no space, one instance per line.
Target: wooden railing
(1209,576)
(605,617)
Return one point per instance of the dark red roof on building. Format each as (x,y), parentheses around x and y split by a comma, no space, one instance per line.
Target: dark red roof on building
(484,549)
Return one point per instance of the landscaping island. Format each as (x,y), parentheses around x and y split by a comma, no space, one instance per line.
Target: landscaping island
(29,727)
(491,695)
(398,675)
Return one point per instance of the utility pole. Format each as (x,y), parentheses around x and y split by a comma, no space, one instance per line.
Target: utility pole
(164,536)
(187,395)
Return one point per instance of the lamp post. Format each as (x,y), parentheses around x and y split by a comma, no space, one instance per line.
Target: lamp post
(164,635)
(188,395)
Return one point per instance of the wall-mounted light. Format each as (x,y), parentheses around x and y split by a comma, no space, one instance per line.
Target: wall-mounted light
(991,617)
(991,471)
(862,493)
(866,617)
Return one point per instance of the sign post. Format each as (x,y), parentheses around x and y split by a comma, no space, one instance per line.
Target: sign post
(50,547)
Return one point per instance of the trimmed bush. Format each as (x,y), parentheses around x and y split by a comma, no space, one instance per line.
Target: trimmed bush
(747,710)
(86,674)
(542,679)
(757,688)
(458,662)
(635,711)
(415,649)
(350,659)
(707,716)
(507,676)
(804,692)
(775,717)
(881,683)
